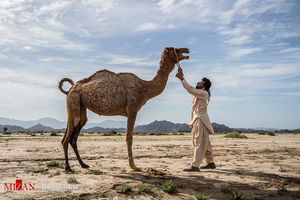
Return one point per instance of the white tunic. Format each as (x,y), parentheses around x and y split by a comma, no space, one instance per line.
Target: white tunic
(199,106)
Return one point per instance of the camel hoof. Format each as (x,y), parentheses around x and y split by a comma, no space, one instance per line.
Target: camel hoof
(68,170)
(135,169)
(84,165)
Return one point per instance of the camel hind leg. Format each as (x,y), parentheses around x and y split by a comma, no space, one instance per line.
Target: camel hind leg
(74,137)
(73,112)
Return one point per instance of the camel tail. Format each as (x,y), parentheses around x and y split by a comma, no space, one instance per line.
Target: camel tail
(61,83)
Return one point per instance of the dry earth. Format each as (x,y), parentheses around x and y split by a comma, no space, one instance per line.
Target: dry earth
(262,167)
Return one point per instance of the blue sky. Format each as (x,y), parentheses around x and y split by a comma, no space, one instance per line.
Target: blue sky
(249,49)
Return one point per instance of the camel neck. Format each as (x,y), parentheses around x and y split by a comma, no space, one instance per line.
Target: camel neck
(157,85)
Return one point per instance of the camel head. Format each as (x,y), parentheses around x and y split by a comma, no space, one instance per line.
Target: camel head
(175,54)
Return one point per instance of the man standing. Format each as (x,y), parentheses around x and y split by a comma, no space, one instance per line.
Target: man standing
(200,123)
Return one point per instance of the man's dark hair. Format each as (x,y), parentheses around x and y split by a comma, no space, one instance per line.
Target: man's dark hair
(207,84)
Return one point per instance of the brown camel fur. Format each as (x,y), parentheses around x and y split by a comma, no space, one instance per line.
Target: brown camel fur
(107,93)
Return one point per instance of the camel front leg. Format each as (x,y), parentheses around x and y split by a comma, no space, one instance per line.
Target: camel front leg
(129,139)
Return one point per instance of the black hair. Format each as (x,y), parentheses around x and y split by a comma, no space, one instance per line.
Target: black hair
(207,84)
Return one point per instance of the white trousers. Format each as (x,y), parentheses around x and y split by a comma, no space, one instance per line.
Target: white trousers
(202,144)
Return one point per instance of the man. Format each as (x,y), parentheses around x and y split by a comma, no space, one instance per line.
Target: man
(200,123)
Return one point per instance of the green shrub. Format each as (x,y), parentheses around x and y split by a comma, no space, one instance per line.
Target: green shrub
(55,174)
(142,189)
(282,169)
(126,189)
(53,134)
(235,135)
(233,193)
(94,171)
(40,170)
(271,134)
(169,187)
(72,180)
(202,196)
(281,190)
(112,133)
(55,163)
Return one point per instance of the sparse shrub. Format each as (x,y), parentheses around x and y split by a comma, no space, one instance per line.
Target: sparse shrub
(140,133)
(5,132)
(5,129)
(55,163)
(261,133)
(281,190)
(53,134)
(236,151)
(285,149)
(142,189)
(55,174)
(40,170)
(267,150)
(202,196)
(126,189)
(158,133)
(271,134)
(169,187)
(282,169)
(258,198)
(72,180)
(94,171)
(111,134)
(233,193)
(32,150)
(31,134)
(235,135)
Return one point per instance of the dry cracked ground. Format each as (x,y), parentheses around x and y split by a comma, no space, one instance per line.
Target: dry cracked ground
(258,167)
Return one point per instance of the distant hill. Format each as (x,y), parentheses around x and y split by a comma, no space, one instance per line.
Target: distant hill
(47,121)
(40,128)
(108,124)
(50,124)
(56,124)
(101,129)
(11,128)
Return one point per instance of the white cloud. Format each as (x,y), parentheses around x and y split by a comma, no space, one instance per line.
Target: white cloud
(289,50)
(147,27)
(115,59)
(239,40)
(54,59)
(166,5)
(243,52)
(219,99)
(53,7)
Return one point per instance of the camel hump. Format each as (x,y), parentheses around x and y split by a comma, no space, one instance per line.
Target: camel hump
(103,75)
(61,83)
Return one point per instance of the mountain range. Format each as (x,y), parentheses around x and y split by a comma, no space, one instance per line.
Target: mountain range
(49,124)
(56,124)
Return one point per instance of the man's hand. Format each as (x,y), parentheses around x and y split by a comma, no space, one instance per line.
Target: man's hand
(180,74)
(180,70)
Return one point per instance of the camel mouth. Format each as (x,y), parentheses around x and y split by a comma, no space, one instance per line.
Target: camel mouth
(183,51)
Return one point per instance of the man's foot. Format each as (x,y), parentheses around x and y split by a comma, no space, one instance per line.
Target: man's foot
(192,169)
(209,166)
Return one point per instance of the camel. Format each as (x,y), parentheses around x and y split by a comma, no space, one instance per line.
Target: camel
(108,93)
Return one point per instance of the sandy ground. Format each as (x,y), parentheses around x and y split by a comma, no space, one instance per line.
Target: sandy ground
(262,167)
